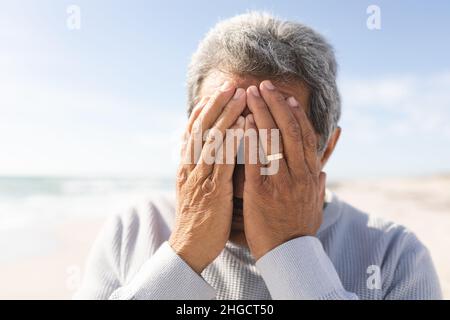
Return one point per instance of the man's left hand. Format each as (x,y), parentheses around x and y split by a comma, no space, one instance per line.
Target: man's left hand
(287,204)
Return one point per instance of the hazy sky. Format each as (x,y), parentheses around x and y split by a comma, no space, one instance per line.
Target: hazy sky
(109,99)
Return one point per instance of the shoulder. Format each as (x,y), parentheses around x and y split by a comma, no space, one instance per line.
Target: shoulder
(370,241)
(382,237)
(131,236)
(151,218)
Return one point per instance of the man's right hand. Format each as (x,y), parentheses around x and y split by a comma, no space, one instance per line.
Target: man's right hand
(205,188)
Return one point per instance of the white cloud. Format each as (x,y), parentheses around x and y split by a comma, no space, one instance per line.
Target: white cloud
(397,106)
(45,130)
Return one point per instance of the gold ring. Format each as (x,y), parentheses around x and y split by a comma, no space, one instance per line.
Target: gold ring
(276,156)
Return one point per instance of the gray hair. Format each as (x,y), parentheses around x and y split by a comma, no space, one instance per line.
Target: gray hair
(260,45)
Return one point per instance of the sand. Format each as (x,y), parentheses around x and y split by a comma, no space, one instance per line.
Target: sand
(421,204)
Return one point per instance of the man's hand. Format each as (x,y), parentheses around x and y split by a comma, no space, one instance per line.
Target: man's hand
(288,204)
(204,188)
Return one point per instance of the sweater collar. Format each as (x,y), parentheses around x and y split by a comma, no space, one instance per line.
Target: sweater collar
(331,211)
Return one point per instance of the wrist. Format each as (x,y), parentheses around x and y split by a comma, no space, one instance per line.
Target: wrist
(186,253)
(260,250)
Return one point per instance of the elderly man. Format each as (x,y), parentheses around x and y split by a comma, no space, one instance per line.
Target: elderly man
(235,233)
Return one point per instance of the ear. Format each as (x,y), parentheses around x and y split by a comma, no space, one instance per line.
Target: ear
(332,142)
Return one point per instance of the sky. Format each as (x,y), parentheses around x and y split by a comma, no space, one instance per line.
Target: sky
(109,99)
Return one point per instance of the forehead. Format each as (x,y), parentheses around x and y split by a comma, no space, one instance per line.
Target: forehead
(214,80)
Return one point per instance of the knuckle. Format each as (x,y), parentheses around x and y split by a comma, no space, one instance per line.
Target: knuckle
(286,186)
(209,187)
(302,174)
(182,173)
(196,177)
(293,129)
(181,176)
(309,139)
(267,187)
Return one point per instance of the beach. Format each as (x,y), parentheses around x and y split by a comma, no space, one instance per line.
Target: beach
(48,261)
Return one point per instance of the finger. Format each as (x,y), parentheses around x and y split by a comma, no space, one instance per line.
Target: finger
(195,113)
(215,105)
(266,127)
(251,146)
(289,127)
(208,115)
(223,171)
(215,136)
(187,133)
(309,137)
(231,112)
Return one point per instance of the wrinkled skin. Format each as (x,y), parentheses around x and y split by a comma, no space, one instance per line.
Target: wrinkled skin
(276,208)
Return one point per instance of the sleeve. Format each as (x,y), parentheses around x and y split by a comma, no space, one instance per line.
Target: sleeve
(163,276)
(300,269)
(414,276)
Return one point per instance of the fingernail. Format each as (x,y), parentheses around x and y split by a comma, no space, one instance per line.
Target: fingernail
(292,102)
(238,93)
(226,86)
(240,121)
(268,85)
(254,90)
(251,119)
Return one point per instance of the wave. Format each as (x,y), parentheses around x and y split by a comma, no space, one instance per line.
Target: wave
(33,201)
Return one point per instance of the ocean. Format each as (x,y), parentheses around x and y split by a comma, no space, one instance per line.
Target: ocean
(33,201)
(32,208)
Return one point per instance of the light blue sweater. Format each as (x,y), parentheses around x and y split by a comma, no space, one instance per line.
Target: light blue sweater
(354,256)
